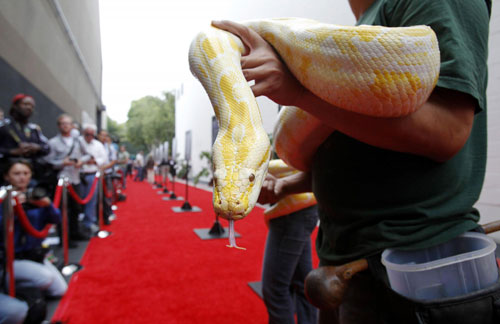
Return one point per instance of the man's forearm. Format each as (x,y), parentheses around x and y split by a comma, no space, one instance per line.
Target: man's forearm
(296,183)
(437,130)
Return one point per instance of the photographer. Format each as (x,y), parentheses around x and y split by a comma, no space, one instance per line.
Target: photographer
(21,139)
(31,268)
(65,158)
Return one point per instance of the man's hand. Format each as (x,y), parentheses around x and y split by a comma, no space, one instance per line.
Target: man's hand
(261,63)
(31,148)
(67,162)
(271,191)
(43,202)
(91,161)
(25,149)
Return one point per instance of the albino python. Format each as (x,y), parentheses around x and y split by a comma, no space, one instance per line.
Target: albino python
(372,70)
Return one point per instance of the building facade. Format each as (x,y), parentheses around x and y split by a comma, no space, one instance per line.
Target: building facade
(51,50)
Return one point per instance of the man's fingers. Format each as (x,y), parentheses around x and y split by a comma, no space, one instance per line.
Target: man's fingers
(249,37)
(259,88)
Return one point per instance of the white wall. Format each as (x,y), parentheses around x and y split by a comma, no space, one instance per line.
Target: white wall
(489,202)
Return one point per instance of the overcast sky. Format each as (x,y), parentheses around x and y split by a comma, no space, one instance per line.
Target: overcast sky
(145,42)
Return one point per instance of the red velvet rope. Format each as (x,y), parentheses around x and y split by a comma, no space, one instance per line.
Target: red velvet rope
(89,196)
(25,222)
(57,197)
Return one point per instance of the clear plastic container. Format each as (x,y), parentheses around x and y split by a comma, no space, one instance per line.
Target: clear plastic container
(460,266)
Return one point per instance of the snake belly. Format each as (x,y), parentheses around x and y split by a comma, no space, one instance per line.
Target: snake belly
(370,70)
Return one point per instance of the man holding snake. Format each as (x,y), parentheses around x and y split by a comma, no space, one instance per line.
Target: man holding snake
(407,182)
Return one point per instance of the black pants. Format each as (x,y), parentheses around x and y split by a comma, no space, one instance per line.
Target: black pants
(74,209)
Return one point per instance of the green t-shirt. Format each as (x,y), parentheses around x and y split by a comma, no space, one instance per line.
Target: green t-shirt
(370,198)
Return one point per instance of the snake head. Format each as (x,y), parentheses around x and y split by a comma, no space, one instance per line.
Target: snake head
(237,188)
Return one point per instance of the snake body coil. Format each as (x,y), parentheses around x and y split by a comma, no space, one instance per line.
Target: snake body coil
(371,70)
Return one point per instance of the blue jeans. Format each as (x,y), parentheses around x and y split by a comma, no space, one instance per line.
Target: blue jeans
(12,310)
(90,209)
(287,261)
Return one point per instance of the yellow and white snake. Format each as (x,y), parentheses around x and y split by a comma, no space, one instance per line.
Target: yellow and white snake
(371,70)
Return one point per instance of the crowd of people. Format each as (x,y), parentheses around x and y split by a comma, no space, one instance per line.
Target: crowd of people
(32,165)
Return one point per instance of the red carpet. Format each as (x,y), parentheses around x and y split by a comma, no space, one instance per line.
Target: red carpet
(155,269)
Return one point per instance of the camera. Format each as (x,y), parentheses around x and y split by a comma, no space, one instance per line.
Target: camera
(36,193)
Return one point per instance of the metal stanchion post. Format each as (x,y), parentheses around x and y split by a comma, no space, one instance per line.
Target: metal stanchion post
(165,179)
(68,269)
(100,197)
(64,214)
(8,227)
(173,195)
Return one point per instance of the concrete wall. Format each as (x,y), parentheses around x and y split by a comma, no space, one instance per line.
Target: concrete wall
(53,50)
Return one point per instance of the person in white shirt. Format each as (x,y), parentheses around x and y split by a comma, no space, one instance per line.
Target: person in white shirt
(94,158)
(139,164)
(65,157)
(108,168)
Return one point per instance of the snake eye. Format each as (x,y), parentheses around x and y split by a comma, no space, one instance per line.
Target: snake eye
(251,178)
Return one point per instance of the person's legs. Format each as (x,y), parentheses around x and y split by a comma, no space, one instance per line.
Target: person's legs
(142,172)
(276,275)
(32,274)
(107,203)
(90,218)
(58,286)
(287,238)
(306,313)
(124,177)
(73,211)
(137,173)
(12,310)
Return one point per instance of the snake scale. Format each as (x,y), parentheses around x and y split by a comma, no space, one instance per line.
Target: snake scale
(371,70)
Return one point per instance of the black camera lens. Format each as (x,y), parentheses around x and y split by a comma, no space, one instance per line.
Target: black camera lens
(36,193)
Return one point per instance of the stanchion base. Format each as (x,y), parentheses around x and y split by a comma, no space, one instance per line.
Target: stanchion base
(70,269)
(256,287)
(181,210)
(160,192)
(186,206)
(173,196)
(112,217)
(216,229)
(165,190)
(204,234)
(168,198)
(103,234)
(114,207)
(159,186)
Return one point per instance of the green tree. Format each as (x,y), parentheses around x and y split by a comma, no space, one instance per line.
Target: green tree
(116,130)
(151,121)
